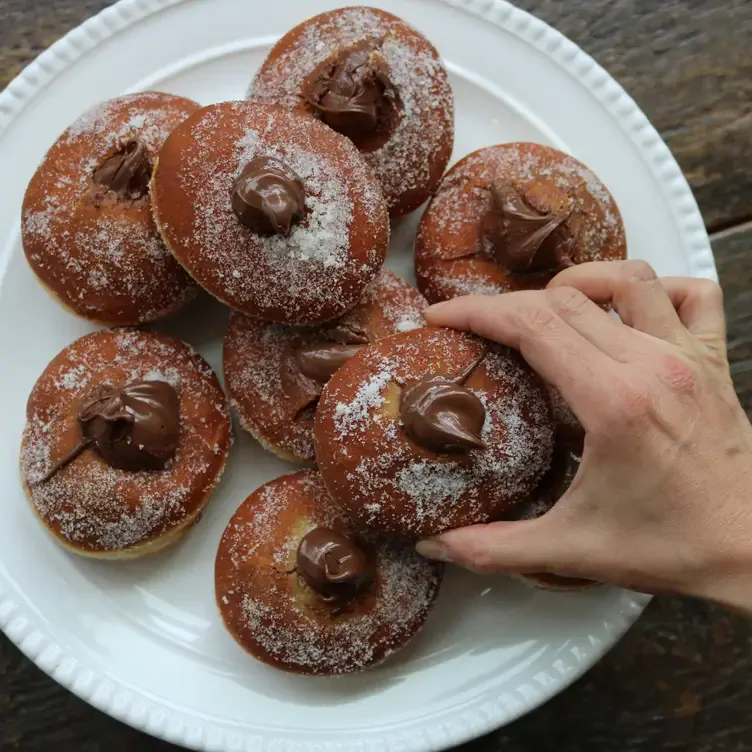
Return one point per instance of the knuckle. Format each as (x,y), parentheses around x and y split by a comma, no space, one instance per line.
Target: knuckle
(637,270)
(677,375)
(536,320)
(709,292)
(566,300)
(632,403)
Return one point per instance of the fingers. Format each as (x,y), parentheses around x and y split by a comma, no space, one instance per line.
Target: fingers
(699,304)
(533,322)
(634,291)
(516,547)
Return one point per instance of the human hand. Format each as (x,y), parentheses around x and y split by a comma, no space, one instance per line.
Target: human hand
(662,501)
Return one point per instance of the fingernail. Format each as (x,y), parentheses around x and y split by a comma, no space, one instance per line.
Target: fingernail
(433,549)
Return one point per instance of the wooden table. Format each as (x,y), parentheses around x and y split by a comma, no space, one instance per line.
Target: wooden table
(682,677)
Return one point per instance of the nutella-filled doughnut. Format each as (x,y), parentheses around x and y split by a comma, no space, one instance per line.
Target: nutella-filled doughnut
(87,229)
(301,590)
(432,430)
(270,211)
(510,217)
(127,434)
(275,373)
(377,80)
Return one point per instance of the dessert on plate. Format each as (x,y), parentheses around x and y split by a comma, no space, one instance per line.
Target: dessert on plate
(273,213)
(510,217)
(301,589)
(431,430)
(377,80)
(275,372)
(127,434)
(87,228)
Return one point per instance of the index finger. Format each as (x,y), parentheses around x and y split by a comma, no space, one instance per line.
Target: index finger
(528,322)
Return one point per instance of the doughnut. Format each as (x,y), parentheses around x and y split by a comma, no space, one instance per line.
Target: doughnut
(510,217)
(431,430)
(377,80)
(299,589)
(87,229)
(270,211)
(275,372)
(127,434)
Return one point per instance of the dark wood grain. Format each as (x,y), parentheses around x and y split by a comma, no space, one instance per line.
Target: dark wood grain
(688,64)
(733,250)
(682,678)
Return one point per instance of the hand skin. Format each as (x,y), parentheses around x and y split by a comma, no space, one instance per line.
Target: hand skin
(662,502)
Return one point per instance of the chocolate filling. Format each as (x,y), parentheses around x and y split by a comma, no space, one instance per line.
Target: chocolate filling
(354,95)
(268,197)
(442,415)
(318,361)
(525,240)
(321,360)
(333,565)
(136,427)
(127,172)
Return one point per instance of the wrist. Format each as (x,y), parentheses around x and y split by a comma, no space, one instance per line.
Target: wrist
(727,577)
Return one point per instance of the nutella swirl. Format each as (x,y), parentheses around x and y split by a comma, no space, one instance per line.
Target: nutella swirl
(524,239)
(127,172)
(442,415)
(319,361)
(136,427)
(350,99)
(332,565)
(268,197)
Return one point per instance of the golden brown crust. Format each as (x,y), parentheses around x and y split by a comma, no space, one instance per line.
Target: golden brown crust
(96,508)
(104,261)
(409,165)
(451,256)
(316,273)
(389,483)
(278,619)
(274,402)
(134,552)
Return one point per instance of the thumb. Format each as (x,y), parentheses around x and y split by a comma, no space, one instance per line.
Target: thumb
(522,547)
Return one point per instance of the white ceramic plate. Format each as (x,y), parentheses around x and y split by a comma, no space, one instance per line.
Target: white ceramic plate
(143,641)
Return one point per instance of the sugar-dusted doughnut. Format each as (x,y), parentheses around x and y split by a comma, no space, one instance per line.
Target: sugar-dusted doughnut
(509,217)
(87,229)
(431,430)
(127,434)
(301,590)
(377,80)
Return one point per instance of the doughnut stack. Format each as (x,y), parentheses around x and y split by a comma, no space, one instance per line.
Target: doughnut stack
(279,206)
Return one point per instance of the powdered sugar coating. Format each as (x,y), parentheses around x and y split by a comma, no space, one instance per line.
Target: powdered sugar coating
(411,162)
(277,618)
(390,483)
(319,270)
(452,258)
(105,262)
(88,504)
(266,388)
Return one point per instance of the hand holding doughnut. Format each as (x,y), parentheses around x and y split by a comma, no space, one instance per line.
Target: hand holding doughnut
(661,500)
